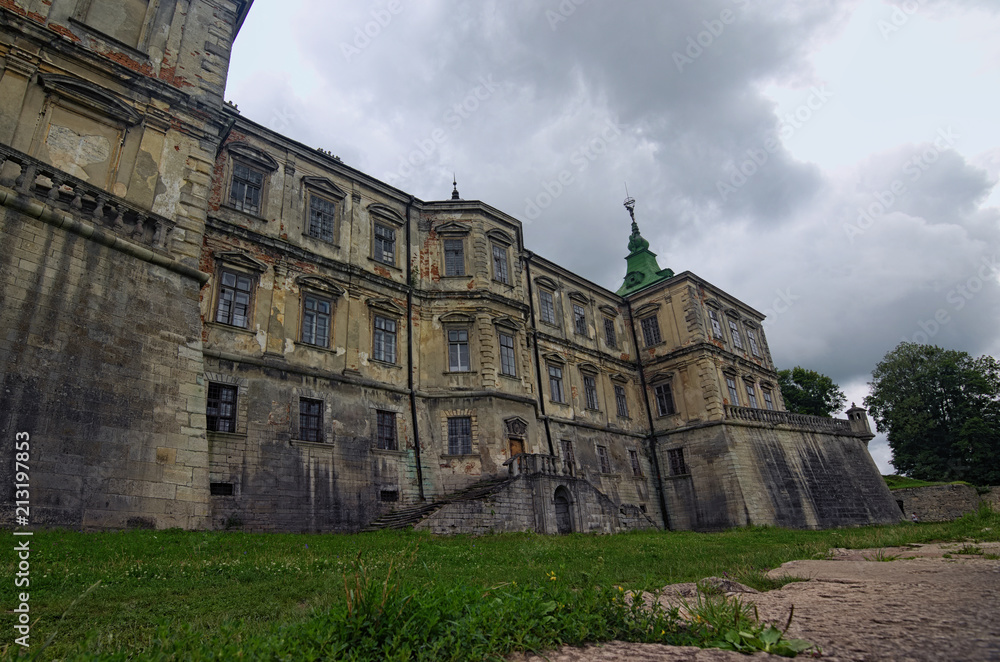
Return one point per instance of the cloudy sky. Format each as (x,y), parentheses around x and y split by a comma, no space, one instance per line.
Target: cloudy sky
(833,164)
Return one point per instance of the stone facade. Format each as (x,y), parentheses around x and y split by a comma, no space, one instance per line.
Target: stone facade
(208,324)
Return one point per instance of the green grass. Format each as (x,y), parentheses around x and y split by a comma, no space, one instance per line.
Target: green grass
(900,482)
(176,593)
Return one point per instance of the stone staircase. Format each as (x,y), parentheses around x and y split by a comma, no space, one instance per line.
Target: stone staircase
(411,515)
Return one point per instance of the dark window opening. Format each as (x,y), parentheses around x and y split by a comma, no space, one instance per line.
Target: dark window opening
(389,496)
(220,489)
(676,459)
(220,413)
(310,419)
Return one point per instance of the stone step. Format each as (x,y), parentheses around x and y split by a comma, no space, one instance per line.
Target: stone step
(411,515)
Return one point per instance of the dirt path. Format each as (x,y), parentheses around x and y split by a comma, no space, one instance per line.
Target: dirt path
(919,607)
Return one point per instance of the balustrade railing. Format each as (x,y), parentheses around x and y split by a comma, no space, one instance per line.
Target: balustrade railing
(819,423)
(528,464)
(85,201)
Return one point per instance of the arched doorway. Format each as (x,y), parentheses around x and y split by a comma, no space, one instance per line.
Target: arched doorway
(564,518)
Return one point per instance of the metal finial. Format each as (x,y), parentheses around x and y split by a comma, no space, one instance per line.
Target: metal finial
(630,204)
(454,188)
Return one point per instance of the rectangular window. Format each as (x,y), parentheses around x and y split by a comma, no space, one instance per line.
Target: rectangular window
(590,391)
(768,402)
(460,435)
(734,331)
(751,395)
(500,264)
(555,383)
(244,194)
(752,338)
(579,319)
(609,333)
(321,217)
(458,350)
(676,459)
(384,340)
(221,411)
(508,361)
(235,291)
(602,457)
(454,257)
(621,401)
(385,244)
(310,419)
(664,400)
(716,326)
(388,496)
(316,321)
(633,457)
(734,398)
(650,331)
(386,432)
(548,311)
(569,460)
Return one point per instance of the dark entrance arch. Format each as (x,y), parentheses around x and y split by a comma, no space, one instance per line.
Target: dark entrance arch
(564,519)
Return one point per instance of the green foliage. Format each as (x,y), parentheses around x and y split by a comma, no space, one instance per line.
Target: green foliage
(941,412)
(214,594)
(809,392)
(901,482)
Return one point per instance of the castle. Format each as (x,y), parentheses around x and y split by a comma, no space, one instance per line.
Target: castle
(208,324)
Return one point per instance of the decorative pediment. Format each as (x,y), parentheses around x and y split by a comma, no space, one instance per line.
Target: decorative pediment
(662,376)
(452,228)
(589,368)
(386,306)
(766,384)
(457,318)
(507,322)
(90,96)
(547,283)
(713,303)
(647,309)
(732,312)
(500,237)
(252,154)
(320,284)
(386,213)
(516,427)
(552,357)
(749,324)
(618,378)
(241,261)
(579,297)
(748,378)
(324,186)
(730,371)
(610,311)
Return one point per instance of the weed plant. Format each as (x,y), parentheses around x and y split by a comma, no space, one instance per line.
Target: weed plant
(209,595)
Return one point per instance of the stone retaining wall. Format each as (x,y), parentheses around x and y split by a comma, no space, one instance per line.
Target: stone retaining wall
(942,503)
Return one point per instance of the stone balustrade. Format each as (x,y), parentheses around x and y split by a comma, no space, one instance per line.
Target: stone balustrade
(770,416)
(86,202)
(526,464)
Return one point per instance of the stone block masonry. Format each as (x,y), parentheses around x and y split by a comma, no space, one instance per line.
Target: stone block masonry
(118,445)
(941,503)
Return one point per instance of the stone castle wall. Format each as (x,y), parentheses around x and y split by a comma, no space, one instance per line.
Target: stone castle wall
(941,503)
(741,475)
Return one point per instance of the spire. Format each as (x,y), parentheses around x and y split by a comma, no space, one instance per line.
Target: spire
(454,188)
(642,269)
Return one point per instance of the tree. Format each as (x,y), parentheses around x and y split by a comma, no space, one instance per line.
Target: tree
(941,411)
(809,392)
